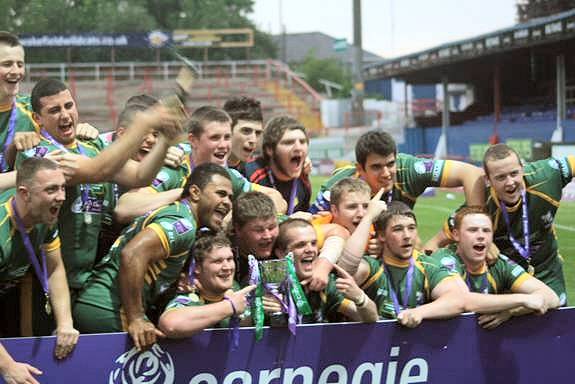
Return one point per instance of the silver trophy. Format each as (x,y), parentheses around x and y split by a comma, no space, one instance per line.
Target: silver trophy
(274,274)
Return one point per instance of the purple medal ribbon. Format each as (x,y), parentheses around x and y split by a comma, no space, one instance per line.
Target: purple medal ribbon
(484,289)
(84,188)
(293,192)
(525,251)
(404,304)
(389,196)
(9,136)
(41,271)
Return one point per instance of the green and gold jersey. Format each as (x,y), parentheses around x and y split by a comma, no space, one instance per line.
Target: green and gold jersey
(196,299)
(544,180)
(14,261)
(23,121)
(172,178)
(328,305)
(427,274)
(413,176)
(502,277)
(175,226)
(80,216)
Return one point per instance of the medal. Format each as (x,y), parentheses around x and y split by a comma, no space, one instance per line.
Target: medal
(87,218)
(48,306)
(530,269)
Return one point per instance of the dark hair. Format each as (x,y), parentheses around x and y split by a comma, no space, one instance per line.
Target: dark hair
(274,131)
(468,210)
(135,104)
(202,175)
(378,142)
(251,206)
(498,152)
(395,208)
(347,185)
(9,39)
(243,108)
(206,242)
(281,240)
(43,88)
(203,116)
(29,167)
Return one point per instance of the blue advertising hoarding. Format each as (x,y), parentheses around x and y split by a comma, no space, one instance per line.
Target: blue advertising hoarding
(524,350)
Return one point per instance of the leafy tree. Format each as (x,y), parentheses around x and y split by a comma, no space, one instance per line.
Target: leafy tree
(329,69)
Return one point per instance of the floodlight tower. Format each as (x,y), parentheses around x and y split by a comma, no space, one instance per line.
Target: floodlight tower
(357,92)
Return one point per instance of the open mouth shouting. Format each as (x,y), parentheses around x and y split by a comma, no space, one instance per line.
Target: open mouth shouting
(479,248)
(219,214)
(220,157)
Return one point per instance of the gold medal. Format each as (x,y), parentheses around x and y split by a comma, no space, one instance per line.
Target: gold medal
(87,218)
(48,306)
(530,269)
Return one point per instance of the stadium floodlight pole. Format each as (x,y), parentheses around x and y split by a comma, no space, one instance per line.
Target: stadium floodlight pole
(357,92)
(557,136)
(441,149)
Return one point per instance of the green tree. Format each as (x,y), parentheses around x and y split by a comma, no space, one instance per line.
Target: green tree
(329,69)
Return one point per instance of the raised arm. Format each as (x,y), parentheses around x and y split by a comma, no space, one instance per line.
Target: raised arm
(471,178)
(136,203)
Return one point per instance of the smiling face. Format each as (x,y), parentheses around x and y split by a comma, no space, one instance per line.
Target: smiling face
(257,237)
(45,196)
(213,145)
(399,237)
(11,71)
(350,209)
(58,116)
(216,271)
(474,237)
(245,138)
(506,178)
(302,242)
(379,171)
(214,201)
(288,157)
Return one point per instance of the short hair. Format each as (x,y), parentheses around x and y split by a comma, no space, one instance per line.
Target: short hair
(274,131)
(243,108)
(29,167)
(281,240)
(347,185)
(395,208)
(9,39)
(378,142)
(468,210)
(203,116)
(251,206)
(498,152)
(206,242)
(43,88)
(202,175)
(134,105)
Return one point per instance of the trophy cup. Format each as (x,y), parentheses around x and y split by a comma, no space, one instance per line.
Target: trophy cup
(274,275)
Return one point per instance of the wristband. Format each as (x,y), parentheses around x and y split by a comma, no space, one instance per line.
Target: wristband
(361,302)
(232,304)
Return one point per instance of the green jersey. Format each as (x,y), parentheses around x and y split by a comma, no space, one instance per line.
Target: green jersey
(21,120)
(502,277)
(172,178)
(413,176)
(81,214)
(175,226)
(14,259)
(328,305)
(427,274)
(195,299)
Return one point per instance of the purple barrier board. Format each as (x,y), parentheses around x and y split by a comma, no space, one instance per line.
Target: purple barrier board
(524,350)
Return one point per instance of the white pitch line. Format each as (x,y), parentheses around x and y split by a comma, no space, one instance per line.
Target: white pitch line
(565,227)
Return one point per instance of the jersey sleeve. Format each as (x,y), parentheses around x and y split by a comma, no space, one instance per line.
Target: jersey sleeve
(564,166)
(176,233)
(167,179)
(435,272)
(510,274)
(334,301)
(183,301)
(51,240)
(415,174)
(239,183)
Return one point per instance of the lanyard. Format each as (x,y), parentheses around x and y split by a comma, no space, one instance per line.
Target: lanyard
(293,192)
(525,251)
(484,289)
(9,137)
(40,270)
(404,304)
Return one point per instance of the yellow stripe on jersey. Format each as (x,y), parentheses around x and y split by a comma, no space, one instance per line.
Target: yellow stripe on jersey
(545,197)
(162,236)
(571,162)
(150,189)
(447,165)
(493,283)
(519,281)
(398,186)
(53,245)
(372,279)
(345,307)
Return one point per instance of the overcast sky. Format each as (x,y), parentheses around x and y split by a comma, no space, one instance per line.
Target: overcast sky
(390,27)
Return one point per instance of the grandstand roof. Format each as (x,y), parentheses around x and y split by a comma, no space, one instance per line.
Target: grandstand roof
(422,67)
